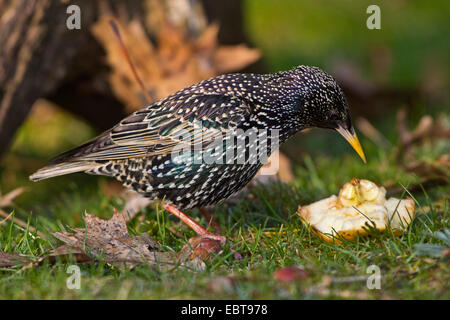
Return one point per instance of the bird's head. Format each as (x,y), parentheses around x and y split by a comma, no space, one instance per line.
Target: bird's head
(321,103)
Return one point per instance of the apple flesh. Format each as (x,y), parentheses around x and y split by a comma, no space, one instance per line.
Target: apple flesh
(360,204)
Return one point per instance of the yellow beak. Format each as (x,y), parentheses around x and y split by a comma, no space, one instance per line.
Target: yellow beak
(353,140)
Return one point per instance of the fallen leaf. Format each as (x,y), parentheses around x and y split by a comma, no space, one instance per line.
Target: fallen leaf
(112,188)
(435,250)
(110,241)
(201,247)
(430,170)
(232,58)
(11,259)
(431,250)
(172,61)
(284,174)
(427,128)
(431,174)
(292,273)
(64,253)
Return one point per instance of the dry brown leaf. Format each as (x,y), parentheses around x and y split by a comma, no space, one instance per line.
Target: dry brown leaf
(201,247)
(208,39)
(432,174)
(134,202)
(174,61)
(11,259)
(63,253)
(112,188)
(430,170)
(232,58)
(284,174)
(428,128)
(289,274)
(110,241)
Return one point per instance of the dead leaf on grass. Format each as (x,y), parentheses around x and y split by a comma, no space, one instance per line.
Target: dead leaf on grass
(201,247)
(431,173)
(110,241)
(428,169)
(290,274)
(428,128)
(64,253)
(284,173)
(8,259)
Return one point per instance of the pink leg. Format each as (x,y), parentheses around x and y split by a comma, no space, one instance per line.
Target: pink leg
(192,224)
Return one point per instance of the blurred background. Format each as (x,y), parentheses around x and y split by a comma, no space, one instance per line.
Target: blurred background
(61,87)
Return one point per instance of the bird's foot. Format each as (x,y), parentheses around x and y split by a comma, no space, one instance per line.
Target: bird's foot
(205,243)
(202,232)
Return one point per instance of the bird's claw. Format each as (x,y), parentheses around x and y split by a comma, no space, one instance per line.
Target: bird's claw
(203,245)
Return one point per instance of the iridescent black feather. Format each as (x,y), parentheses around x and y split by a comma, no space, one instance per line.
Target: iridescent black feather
(139,151)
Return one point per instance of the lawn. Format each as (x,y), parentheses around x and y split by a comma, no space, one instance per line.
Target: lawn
(262,224)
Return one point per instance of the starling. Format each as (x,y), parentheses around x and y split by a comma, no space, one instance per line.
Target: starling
(203,143)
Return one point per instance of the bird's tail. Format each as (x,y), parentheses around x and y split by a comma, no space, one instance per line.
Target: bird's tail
(60,169)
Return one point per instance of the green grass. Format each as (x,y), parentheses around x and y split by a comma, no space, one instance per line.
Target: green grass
(262,226)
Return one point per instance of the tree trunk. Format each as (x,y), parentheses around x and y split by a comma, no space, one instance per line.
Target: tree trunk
(36,49)
(84,71)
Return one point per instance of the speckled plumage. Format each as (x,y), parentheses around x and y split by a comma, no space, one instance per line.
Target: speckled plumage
(139,150)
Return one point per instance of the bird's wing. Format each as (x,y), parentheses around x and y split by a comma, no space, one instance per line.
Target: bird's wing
(159,128)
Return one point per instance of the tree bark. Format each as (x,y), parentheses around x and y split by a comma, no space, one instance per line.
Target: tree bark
(41,58)
(36,51)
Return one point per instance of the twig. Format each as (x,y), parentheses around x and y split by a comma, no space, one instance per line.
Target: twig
(210,219)
(9,216)
(127,57)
